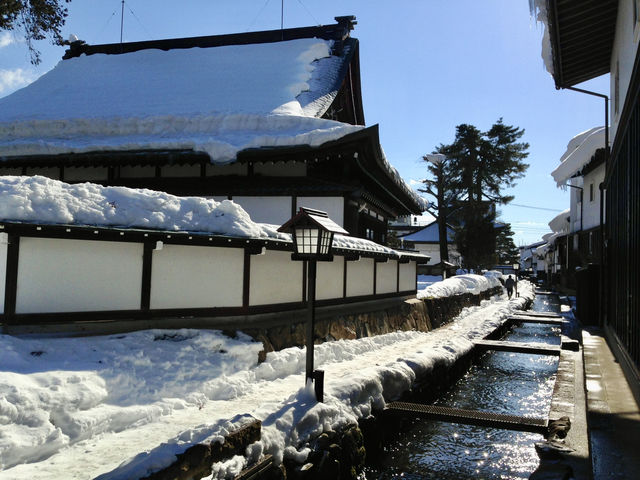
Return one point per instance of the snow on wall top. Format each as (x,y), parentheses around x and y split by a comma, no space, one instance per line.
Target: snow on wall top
(200,98)
(560,223)
(460,284)
(38,199)
(579,151)
(42,200)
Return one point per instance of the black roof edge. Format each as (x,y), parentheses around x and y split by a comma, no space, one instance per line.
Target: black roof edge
(338,31)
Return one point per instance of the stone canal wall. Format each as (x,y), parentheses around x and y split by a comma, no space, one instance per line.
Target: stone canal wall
(369,320)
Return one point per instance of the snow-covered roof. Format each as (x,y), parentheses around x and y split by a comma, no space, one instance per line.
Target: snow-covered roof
(560,223)
(204,99)
(428,234)
(579,153)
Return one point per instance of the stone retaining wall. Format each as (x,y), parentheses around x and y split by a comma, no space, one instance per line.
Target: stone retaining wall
(412,314)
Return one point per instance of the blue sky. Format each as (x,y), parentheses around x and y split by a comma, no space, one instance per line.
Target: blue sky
(426,66)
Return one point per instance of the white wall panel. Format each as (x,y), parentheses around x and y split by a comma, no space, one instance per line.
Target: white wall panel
(407,276)
(273,210)
(77,275)
(360,277)
(334,206)
(330,279)
(196,277)
(386,277)
(275,279)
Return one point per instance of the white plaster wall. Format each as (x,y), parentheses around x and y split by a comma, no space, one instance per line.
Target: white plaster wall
(281,169)
(130,171)
(275,278)
(273,210)
(386,277)
(78,275)
(3,268)
(625,47)
(180,171)
(196,277)
(360,277)
(334,206)
(330,279)
(408,276)
(74,174)
(591,210)
(49,172)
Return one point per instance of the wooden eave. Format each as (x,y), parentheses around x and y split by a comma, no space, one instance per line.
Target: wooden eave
(582,34)
(338,31)
(360,149)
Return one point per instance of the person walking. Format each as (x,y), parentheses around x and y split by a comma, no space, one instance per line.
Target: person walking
(509,283)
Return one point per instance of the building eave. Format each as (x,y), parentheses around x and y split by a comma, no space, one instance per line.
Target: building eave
(582,34)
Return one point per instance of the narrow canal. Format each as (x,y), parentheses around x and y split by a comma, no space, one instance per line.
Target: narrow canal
(501,382)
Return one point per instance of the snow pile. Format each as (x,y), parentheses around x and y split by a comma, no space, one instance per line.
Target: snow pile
(42,200)
(468,283)
(199,98)
(580,150)
(559,224)
(76,408)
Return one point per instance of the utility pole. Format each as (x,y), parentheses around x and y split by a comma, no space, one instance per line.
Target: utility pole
(121,22)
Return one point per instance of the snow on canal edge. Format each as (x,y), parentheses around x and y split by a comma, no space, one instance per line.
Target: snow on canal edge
(77,407)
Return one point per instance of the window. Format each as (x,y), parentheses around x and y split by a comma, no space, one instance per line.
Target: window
(591,195)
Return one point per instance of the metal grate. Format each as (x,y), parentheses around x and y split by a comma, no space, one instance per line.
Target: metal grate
(518,347)
(470,417)
(541,320)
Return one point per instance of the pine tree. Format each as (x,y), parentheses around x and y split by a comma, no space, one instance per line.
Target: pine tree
(36,19)
(484,163)
(506,249)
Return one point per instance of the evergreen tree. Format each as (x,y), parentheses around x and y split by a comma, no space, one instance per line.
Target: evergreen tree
(484,163)
(506,250)
(36,19)
(442,188)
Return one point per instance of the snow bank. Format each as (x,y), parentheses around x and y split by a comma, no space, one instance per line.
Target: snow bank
(468,283)
(559,224)
(121,406)
(580,150)
(42,200)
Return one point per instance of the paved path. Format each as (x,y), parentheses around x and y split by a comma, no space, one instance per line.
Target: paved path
(612,412)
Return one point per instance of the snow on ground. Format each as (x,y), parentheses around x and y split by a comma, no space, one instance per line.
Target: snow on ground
(425,280)
(467,283)
(120,406)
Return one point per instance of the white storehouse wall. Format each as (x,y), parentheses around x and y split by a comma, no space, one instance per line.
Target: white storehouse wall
(196,277)
(57,275)
(73,275)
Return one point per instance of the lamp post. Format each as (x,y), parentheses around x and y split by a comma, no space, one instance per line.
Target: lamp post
(312,232)
(516,267)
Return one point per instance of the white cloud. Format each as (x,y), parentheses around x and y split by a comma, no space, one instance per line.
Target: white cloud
(13,79)
(415,183)
(6,39)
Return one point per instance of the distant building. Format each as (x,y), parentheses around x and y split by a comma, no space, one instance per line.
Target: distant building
(426,241)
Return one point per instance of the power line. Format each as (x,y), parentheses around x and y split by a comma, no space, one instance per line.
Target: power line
(534,208)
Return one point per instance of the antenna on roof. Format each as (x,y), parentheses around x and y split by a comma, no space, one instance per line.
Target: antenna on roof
(121,21)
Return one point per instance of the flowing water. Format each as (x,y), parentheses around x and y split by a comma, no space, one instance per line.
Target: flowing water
(501,382)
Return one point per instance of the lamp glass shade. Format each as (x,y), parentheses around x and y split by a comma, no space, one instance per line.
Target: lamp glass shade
(307,240)
(516,266)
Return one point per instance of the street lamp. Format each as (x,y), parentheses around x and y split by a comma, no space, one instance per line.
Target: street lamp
(312,232)
(516,267)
